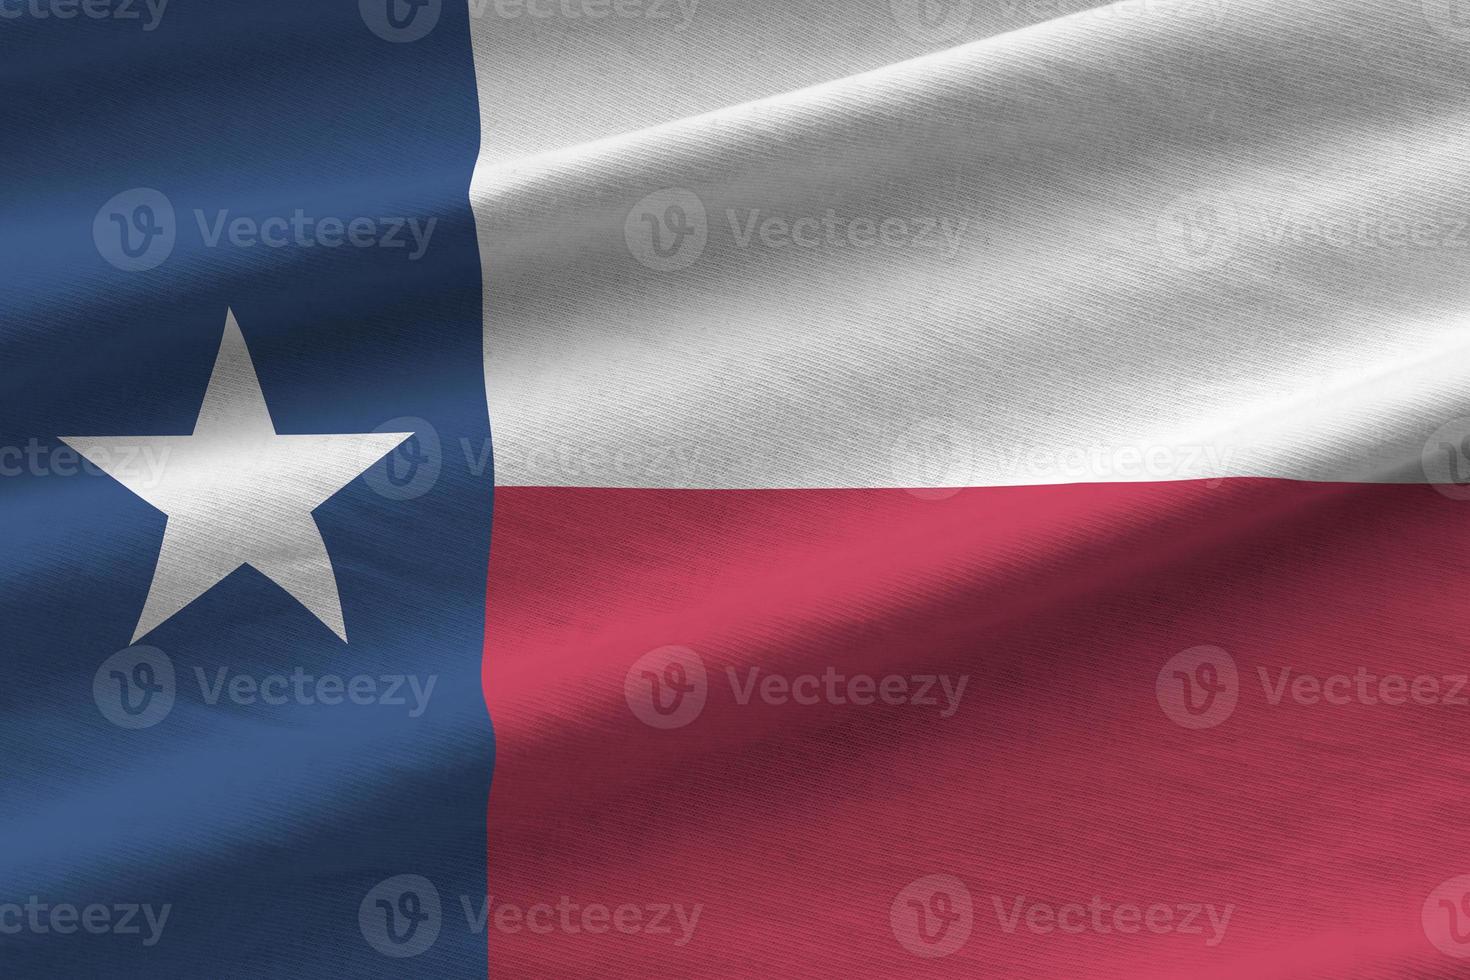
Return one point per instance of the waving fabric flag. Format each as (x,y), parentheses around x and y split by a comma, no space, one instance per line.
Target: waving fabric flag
(977,489)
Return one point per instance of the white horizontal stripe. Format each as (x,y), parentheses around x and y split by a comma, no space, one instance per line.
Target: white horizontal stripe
(1112,246)
(560,73)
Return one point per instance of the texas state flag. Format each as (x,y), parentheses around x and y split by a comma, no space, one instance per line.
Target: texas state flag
(977,489)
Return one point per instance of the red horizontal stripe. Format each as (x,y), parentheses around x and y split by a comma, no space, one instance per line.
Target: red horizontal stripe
(1059,777)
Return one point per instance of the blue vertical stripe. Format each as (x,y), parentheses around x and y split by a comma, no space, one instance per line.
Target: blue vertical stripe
(164,164)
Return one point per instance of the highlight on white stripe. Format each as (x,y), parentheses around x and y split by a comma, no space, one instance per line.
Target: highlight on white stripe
(1096,249)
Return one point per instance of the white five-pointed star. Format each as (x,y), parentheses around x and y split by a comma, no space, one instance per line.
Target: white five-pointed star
(237,493)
